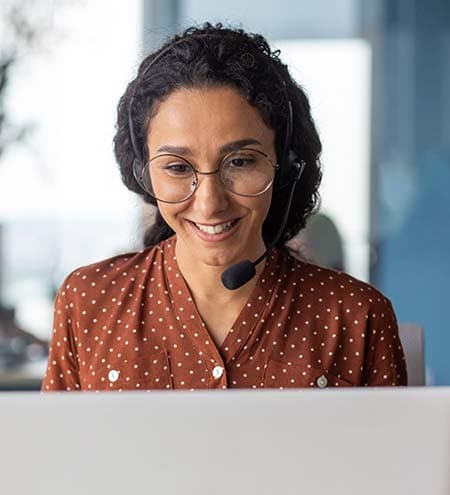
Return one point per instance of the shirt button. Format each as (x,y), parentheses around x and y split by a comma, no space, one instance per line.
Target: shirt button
(217,371)
(113,376)
(322,381)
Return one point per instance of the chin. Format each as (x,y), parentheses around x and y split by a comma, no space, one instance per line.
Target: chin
(220,260)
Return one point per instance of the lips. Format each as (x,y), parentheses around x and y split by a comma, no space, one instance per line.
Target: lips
(216,229)
(216,232)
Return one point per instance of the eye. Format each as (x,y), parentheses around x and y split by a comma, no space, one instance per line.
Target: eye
(178,169)
(241,162)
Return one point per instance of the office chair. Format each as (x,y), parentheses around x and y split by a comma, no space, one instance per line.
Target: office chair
(411,337)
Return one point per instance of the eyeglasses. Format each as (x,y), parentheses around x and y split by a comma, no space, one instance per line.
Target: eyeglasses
(172,179)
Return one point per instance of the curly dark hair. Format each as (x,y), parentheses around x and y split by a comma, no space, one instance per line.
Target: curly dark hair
(214,55)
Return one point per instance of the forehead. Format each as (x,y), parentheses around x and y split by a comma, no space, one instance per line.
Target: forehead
(206,119)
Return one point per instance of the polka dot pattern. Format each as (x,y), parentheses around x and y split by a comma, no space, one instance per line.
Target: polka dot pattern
(130,323)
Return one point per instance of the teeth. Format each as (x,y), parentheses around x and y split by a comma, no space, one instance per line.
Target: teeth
(215,229)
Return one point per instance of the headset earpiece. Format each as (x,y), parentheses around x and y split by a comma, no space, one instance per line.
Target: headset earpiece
(296,165)
(289,171)
(292,159)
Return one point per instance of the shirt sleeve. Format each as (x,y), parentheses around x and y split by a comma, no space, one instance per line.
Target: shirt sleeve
(62,367)
(385,359)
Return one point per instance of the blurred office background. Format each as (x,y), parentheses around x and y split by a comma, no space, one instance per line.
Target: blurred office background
(378,77)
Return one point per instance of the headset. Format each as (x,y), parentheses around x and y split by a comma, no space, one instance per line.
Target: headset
(289,174)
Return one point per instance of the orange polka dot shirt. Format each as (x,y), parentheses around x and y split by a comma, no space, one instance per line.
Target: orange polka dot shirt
(130,323)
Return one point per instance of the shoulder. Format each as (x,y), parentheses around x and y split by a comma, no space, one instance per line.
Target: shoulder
(132,266)
(106,268)
(323,285)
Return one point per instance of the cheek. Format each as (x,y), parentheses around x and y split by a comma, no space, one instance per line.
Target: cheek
(260,207)
(264,205)
(169,213)
(267,204)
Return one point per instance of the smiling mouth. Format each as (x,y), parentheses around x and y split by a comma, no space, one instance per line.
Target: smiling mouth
(216,229)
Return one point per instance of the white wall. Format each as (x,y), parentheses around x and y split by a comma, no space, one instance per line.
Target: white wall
(336,76)
(61,198)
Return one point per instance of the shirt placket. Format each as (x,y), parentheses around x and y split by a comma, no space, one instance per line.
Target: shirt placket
(252,317)
(187,313)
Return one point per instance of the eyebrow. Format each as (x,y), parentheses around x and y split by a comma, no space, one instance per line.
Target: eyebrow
(226,148)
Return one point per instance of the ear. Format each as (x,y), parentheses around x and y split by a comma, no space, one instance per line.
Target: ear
(137,172)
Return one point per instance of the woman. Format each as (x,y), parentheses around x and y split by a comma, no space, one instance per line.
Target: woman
(216,134)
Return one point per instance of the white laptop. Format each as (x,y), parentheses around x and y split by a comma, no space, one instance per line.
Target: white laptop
(366,441)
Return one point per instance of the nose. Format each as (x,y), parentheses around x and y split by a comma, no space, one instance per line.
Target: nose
(211,197)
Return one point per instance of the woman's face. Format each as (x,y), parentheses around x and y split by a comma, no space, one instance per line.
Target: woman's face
(201,125)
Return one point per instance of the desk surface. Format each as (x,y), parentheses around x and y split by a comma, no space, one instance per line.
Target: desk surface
(370,441)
